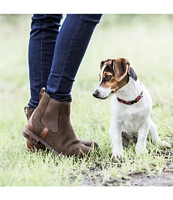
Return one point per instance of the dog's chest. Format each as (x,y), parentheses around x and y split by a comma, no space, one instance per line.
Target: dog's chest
(132,121)
(131,117)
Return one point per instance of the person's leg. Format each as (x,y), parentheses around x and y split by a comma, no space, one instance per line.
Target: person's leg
(70,48)
(50,123)
(43,35)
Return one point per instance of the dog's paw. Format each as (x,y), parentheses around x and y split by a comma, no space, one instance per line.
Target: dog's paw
(141,150)
(117,158)
(117,155)
(164,144)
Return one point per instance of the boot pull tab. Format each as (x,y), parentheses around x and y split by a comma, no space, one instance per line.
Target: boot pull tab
(43,89)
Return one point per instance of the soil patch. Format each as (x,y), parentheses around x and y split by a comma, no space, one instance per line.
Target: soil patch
(136,179)
(165,179)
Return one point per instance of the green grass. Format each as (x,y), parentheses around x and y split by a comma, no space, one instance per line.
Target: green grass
(146,40)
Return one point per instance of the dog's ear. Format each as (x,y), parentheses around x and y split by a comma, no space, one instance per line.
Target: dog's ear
(132,73)
(120,67)
(103,62)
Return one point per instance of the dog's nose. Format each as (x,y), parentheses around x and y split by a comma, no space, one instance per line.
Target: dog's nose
(95,93)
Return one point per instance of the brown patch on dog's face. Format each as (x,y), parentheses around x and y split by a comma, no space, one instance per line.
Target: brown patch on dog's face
(114,73)
(113,76)
(121,67)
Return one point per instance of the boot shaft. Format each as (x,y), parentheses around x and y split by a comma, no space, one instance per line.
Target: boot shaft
(28,111)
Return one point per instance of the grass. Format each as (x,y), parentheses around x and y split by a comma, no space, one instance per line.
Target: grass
(146,40)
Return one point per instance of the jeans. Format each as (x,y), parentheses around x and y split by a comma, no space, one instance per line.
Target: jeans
(55,54)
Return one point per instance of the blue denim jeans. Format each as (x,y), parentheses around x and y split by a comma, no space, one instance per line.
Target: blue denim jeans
(55,54)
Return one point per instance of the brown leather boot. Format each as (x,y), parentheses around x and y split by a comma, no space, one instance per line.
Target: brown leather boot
(50,124)
(33,145)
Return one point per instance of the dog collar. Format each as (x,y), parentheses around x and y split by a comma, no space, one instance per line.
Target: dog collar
(131,102)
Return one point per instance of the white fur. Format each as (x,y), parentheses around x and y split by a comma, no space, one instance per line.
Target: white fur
(103,92)
(132,119)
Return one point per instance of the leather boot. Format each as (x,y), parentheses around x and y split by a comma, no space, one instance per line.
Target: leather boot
(32,144)
(50,124)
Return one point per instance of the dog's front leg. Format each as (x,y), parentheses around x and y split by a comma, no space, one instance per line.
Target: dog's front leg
(116,136)
(142,137)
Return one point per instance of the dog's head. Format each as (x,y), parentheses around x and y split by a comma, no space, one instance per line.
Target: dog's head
(114,74)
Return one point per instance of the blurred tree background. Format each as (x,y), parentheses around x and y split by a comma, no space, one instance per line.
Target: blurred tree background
(135,36)
(107,19)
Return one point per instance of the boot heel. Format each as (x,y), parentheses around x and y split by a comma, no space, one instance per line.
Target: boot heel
(31,139)
(38,140)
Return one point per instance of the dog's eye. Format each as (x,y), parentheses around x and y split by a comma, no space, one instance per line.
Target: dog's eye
(107,77)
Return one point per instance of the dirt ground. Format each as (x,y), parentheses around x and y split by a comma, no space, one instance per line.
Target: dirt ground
(136,179)
(140,179)
(165,179)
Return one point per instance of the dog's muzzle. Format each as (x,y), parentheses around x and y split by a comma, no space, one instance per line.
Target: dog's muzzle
(96,94)
(100,94)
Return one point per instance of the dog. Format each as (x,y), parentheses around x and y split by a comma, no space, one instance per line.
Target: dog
(131,106)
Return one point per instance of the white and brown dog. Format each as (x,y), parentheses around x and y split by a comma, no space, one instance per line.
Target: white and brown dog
(131,105)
